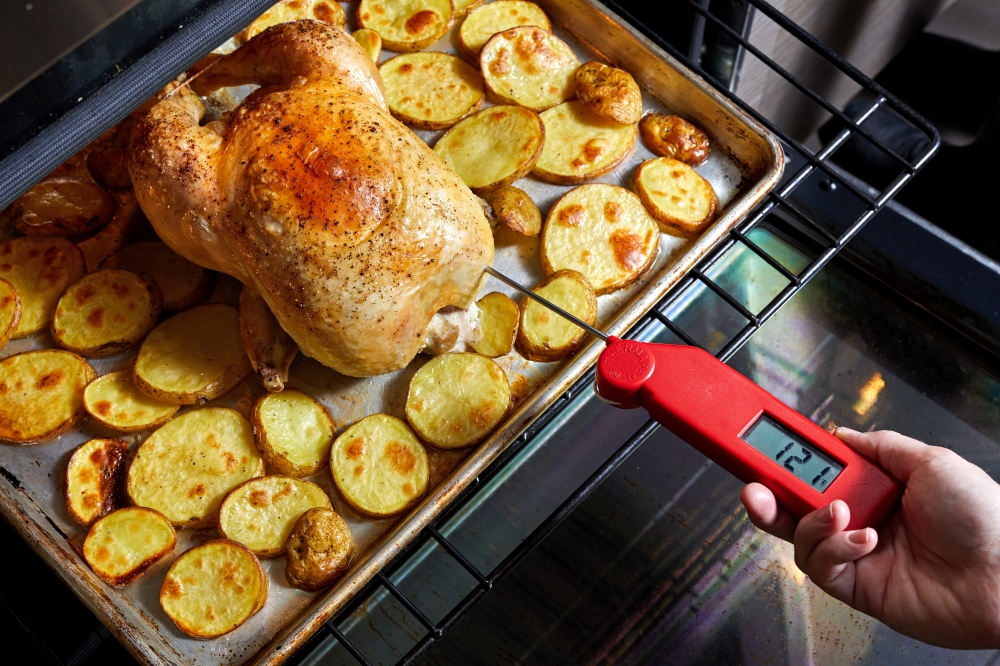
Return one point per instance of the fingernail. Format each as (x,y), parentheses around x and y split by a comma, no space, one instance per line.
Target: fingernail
(859,536)
(845,431)
(826,517)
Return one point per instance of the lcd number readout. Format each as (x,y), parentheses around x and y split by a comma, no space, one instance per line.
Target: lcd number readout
(792,453)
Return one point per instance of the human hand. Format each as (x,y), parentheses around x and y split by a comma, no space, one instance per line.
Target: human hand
(932,571)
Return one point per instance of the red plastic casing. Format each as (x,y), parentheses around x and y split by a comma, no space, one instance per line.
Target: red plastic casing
(709,405)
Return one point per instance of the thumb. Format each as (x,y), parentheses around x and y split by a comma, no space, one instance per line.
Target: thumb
(897,454)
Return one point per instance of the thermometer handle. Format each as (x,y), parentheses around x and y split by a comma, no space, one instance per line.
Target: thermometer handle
(710,406)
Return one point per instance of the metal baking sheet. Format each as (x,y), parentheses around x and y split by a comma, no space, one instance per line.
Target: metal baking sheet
(746,163)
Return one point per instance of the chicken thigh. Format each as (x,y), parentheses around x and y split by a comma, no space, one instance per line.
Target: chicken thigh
(350,228)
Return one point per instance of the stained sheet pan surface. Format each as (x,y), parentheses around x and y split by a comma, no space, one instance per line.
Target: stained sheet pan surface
(746,163)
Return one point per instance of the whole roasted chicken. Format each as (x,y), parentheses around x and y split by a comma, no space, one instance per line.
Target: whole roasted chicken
(350,228)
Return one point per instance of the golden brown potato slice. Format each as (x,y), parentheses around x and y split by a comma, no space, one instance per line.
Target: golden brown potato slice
(114,400)
(260,513)
(370,42)
(672,136)
(379,466)
(530,67)
(125,223)
(63,207)
(107,158)
(95,479)
(186,468)
(40,270)
(270,349)
(493,147)
(328,11)
(431,90)
(41,395)
(319,549)
(10,311)
(406,25)
(488,20)
(463,7)
(213,588)
(193,357)
(602,231)
(122,545)
(581,145)
(456,400)
(293,432)
(676,195)
(106,312)
(498,317)
(182,283)
(543,335)
(514,208)
(609,92)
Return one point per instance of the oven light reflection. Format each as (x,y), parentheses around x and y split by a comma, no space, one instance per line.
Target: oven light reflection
(869,394)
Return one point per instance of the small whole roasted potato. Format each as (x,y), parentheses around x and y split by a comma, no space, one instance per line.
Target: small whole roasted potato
(95,479)
(319,548)
(41,394)
(674,137)
(40,269)
(609,92)
(514,208)
(543,335)
(406,26)
(293,432)
(122,545)
(63,207)
(10,311)
(498,319)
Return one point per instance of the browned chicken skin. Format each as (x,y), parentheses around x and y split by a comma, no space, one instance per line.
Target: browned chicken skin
(352,230)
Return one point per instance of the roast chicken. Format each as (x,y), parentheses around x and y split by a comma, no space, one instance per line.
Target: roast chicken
(349,227)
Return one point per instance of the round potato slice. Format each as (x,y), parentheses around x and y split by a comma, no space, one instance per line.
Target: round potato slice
(498,318)
(431,90)
(193,357)
(95,476)
(328,11)
(260,513)
(106,312)
(63,207)
(676,195)
(514,208)
(488,20)
(40,269)
(463,7)
(186,468)
(10,311)
(319,549)
(602,231)
(543,335)
(530,67)
(213,588)
(609,92)
(182,283)
(113,237)
(672,136)
(379,466)
(41,394)
(581,145)
(124,544)
(456,400)
(406,25)
(493,147)
(293,432)
(114,400)
(370,42)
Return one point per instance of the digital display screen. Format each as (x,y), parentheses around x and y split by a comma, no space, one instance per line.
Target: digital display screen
(788,450)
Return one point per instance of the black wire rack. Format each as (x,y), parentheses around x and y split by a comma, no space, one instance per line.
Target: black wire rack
(824,243)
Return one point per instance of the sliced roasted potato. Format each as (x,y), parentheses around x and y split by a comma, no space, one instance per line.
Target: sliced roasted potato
(260,513)
(406,25)
(63,207)
(125,223)
(672,136)
(493,147)
(370,41)
(186,468)
(514,207)
(40,270)
(319,548)
(498,318)
(124,544)
(41,394)
(10,311)
(328,11)
(379,466)
(530,67)
(193,357)
(456,400)
(431,90)
(609,92)
(602,231)
(293,432)
(213,588)
(676,195)
(581,145)
(106,312)
(543,335)
(270,349)
(95,479)
(107,158)
(182,283)
(114,400)
(488,20)
(463,7)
